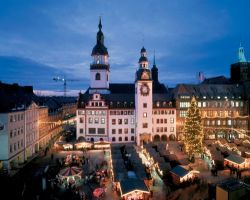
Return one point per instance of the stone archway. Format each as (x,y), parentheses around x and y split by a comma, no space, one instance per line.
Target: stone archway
(92,139)
(172,137)
(164,138)
(157,138)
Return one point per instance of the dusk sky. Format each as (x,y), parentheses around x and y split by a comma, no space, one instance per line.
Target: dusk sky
(43,38)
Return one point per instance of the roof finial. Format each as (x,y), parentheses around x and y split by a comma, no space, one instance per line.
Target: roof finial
(100,23)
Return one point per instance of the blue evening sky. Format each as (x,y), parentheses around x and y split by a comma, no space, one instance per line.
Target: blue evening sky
(40,39)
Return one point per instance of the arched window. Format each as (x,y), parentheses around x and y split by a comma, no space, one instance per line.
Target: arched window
(97,76)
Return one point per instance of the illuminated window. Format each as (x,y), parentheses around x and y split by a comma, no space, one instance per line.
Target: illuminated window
(229,122)
(96,120)
(125,121)
(218,122)
(184,104)
(102,120)
(171,120)
(203,104)
(171,129)
(199,104)
(119,121)
(183,113)
(144,114)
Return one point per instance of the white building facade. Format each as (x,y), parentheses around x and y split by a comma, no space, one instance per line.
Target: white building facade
(18,135)
(124,113)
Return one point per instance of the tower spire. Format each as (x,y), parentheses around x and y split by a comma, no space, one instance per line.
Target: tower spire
(241,54)
(154,58)
(100,23)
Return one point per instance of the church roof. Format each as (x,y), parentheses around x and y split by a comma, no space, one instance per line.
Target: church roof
(217,80)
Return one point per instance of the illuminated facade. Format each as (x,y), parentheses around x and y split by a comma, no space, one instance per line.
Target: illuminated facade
(121,113)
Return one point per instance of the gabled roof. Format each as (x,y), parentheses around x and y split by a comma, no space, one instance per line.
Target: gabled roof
(236,159)
(130,185)
(179,171)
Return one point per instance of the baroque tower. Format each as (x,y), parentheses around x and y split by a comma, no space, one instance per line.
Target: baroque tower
(99,68)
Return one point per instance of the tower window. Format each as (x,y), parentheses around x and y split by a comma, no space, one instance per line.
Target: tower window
(97,76)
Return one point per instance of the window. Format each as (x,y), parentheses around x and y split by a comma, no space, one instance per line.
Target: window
(11,134)
(144,114)
(113,121)
(113,131)
(158,121)
(218,122)
(126,130)
(120,139)
(101,130)
(102,120)
(183,113)
(96,120)
(11,118)
(120,131)
(204,104)
(229,122)
(10,148)
(165,129)
(199,104)
(165,121)
(126,138)
(145,125)
(90,120)
(132,138)
(81,120)
(132,120)
(80,112)
(91,130)
(81,130)
(184,104)
(161,121)
(171,120)
(125,121)
(119,121)
(144,105)
(132,130)
(113,139)
(97,76)
(171,129)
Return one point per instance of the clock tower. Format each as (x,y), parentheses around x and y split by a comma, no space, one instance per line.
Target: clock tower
(143,100)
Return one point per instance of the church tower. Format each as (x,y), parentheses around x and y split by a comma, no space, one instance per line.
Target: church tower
(143,100)
(99,68)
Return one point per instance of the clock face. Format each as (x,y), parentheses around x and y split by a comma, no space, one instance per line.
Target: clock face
(144,89)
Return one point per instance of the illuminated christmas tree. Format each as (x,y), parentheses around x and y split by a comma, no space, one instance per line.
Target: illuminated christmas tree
(193,131)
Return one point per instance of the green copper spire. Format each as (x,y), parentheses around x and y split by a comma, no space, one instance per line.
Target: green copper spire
(241,54)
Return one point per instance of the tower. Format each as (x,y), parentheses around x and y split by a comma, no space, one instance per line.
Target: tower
(99,68)
(154,72)
(241,54)
(143,100)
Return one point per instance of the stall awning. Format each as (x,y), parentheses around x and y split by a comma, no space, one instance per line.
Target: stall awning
(235,159)
(179,171)
(132,185)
